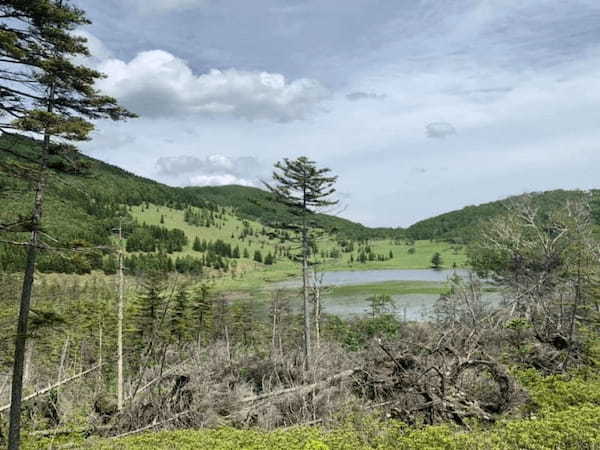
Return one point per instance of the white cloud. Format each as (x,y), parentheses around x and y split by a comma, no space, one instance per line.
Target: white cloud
(213,170)
(219,180)
(158,84)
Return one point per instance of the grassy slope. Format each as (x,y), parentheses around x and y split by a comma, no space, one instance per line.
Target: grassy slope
(249,274)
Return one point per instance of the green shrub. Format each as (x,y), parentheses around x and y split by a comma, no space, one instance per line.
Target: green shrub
(559,392)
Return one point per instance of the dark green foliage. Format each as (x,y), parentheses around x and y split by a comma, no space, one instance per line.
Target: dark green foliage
(190,265)
(148,310)
(197,246)
(150,238)
(258,256)
(145,263)
(356,333)
(200,311)
(109,265)
(179,319)
(269,260)
(436,260)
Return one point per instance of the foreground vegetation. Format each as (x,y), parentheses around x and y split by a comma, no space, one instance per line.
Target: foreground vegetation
(575,427)
(562,412)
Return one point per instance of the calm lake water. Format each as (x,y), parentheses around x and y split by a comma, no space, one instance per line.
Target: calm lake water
(349,277)
(412,307)
(407,306)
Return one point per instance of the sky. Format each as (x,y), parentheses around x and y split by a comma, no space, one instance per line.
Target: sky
(419,106)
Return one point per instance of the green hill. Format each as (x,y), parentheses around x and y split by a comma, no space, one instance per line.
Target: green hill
(105,184)
(460,226)
(84,209)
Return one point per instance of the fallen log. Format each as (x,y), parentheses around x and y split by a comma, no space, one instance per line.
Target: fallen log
(54,386)
(304,387)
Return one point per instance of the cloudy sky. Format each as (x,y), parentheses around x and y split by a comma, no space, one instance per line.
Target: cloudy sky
(420,106)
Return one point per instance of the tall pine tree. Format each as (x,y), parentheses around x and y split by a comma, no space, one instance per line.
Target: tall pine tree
(305,188)
(43,93)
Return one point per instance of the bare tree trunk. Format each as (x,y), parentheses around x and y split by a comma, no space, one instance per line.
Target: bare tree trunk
(575,303)
(120,324)
(27,363)
(21,338)
(14,432)
(274,332)
(227,344)
(100,382)
(63,358)
(305,285)
(317,281)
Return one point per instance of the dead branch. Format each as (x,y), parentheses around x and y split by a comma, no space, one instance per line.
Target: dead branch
(54,386)
(302,388)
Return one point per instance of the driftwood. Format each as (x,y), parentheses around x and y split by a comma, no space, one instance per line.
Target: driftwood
(54,386)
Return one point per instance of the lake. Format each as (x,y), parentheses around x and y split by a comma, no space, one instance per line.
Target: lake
(407,306)
(357,277)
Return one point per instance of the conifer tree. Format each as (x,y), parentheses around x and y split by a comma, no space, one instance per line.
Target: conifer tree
(196,246)
(305,188)
(200,309)
(178,320)
(436,260)
(148,308)
(43,93)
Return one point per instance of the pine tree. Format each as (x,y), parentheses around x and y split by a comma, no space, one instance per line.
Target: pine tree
(44,93)
(197,245)
(148,310)
(269,260)
(436,260)
(258,256)
(178,319)
(200,309)
(300,185)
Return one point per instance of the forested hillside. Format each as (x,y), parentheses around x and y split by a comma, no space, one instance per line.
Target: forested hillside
(463,225)
(87,204)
